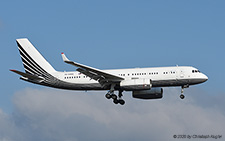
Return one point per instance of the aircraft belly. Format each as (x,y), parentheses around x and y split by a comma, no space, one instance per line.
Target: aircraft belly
(175,82)
(73,86)
(165,83)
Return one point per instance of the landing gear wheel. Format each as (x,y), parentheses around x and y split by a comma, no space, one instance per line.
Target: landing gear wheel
(121,101)
(108,96)
(115,101)
(114,96)
(182,96)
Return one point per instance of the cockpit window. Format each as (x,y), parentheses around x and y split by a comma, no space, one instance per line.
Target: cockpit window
(195,71)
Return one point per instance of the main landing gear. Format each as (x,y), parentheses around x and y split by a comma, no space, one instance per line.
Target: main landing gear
(116,99)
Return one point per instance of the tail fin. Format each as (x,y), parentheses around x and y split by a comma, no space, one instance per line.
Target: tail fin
(33,61)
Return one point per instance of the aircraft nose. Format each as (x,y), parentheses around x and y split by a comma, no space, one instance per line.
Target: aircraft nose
(205,78)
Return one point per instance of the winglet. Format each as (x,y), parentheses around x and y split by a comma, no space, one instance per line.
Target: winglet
(65,59)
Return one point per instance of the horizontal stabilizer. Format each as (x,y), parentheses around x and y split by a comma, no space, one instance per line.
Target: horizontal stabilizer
(28,76)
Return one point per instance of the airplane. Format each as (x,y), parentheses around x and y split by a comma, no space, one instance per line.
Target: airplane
(144,83)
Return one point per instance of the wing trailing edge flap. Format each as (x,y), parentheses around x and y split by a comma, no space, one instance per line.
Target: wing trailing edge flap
(93,73)
(29,76)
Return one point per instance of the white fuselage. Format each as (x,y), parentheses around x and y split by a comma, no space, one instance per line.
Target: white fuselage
(160,76)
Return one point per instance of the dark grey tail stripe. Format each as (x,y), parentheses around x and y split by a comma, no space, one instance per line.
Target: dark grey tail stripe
(32,67)
(34,64)
(20,47)
(26,60)
(35,70)
(23,60)
(29,65)
(28,70)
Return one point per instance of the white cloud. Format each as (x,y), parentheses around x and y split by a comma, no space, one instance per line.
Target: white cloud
(50,114)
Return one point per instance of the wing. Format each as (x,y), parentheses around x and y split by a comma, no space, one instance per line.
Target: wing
(101,76)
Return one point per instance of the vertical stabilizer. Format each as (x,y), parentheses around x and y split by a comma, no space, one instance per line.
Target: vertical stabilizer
(33,61)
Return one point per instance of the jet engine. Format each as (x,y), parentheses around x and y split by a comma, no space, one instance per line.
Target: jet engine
(153,93)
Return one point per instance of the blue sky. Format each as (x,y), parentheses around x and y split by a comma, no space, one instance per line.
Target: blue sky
(114,34)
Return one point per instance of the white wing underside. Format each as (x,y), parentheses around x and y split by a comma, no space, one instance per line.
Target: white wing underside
(101,76)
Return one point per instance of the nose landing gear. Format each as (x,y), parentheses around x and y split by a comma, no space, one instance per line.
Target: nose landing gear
(182,91)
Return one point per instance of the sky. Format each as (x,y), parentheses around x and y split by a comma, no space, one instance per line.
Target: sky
(106,35)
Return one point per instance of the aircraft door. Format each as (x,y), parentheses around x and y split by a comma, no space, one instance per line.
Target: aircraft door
(179,73)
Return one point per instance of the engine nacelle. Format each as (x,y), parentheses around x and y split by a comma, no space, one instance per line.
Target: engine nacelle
(136,84)
(154,93)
